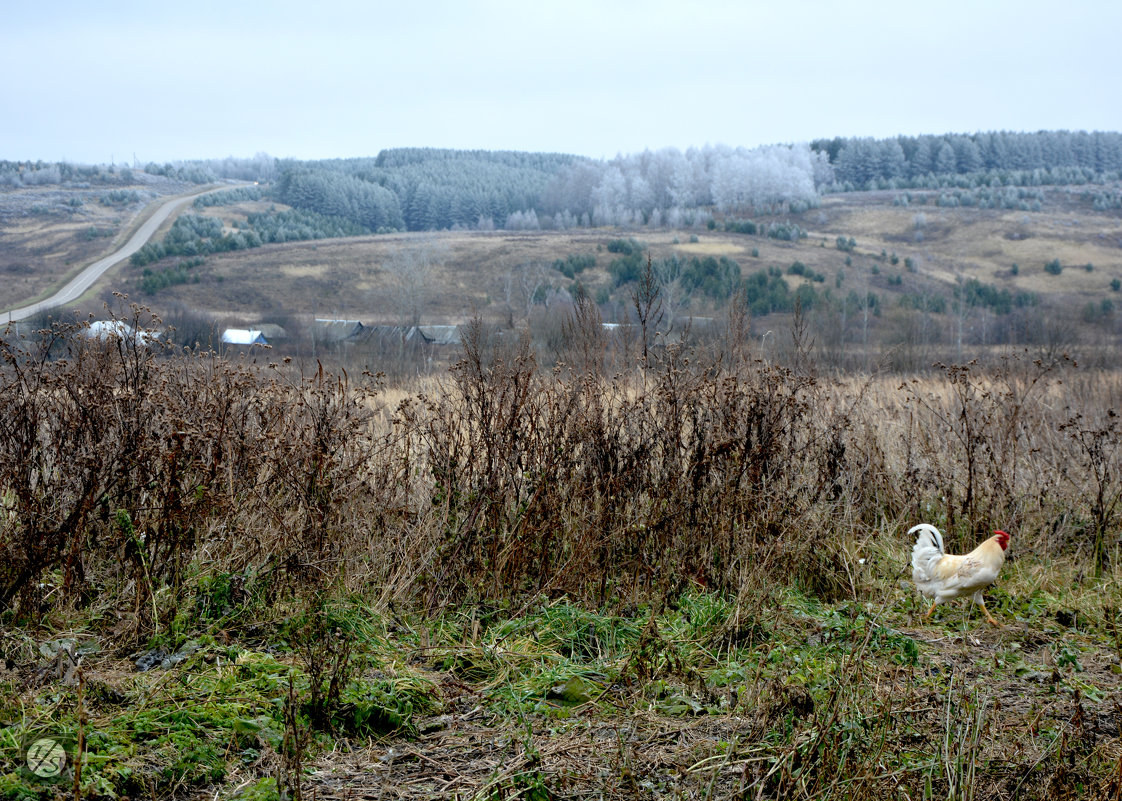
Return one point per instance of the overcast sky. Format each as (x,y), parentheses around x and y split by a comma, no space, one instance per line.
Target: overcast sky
(89,81)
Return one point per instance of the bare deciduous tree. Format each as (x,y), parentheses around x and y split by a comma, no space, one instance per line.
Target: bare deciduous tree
(410,270)
(647,299)
(520,287)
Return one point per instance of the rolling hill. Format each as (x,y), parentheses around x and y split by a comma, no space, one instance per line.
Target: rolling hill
(962,261)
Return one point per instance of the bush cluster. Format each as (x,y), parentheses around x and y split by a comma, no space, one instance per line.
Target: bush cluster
(121,463)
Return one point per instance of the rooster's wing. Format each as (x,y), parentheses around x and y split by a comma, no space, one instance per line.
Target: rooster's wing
(957,576)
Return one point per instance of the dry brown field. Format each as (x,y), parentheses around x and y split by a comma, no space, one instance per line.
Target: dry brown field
(985,243)
(348,278)
(475,272)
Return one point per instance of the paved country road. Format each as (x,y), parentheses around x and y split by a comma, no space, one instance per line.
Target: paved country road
(85,279)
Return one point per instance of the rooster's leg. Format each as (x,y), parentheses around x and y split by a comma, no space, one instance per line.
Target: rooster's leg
(989,617)
(930,610)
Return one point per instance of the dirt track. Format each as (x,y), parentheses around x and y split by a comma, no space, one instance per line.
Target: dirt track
(78,285)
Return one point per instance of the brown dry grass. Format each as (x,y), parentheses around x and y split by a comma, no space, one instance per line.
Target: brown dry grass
(345,278)
(40,254)
(984,243)
(715,543)
(721,247)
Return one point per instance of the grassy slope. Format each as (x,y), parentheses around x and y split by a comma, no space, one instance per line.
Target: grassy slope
(347,277)
(773,692)
(985,243)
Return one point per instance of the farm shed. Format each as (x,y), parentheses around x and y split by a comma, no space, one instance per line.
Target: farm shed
(243,336)
(272,332)
(104,330)
(438,334)
(326,330)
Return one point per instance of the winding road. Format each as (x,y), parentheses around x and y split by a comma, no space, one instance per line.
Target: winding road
(78,285)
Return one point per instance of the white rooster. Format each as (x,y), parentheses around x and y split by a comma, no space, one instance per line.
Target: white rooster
(943,576)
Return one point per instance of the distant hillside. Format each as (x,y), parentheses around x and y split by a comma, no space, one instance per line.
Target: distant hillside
(419,189)
(1013,239)
(427,189)
(424,189)
(909,276)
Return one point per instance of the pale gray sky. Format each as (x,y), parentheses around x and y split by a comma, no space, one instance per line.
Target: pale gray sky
(93,81)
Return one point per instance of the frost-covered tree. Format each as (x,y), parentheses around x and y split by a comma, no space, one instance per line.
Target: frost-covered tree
(944,158)
(967,155)
(746,180)
(1044,157)
(523,221)
(892,161)
(609,198)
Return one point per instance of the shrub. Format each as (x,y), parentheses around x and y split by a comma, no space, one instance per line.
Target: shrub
(625,247)
(788,232)
(156,449)
(573,264)
(741,227)
(120,197)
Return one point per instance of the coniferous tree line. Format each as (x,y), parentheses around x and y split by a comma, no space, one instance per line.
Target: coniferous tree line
(194,235)
(197,235)
(342,195)
(440,189)
(433,189)
(425,189)
(990,158)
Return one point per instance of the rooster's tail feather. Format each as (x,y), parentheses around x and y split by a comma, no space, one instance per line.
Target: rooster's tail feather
(928,547)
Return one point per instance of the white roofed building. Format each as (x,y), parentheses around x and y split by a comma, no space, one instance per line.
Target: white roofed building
(243,336)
